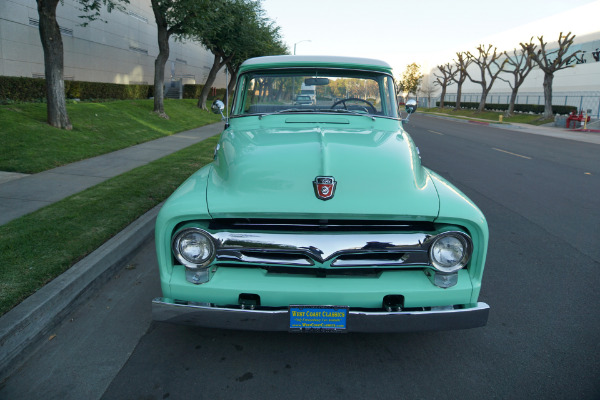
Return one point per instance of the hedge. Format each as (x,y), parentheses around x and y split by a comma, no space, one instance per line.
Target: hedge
(22,89)
(524,108)
(193,92)
(14,88)
(17,88)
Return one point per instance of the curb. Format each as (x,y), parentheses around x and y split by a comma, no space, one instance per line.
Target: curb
(585,130)
(23,328)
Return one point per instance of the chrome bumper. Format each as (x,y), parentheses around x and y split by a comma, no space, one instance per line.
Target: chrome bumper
(166,310)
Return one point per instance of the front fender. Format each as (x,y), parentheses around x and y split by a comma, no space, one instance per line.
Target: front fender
(187,203)
(457,209)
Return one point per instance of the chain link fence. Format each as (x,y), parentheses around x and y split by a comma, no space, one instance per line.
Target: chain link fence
(586,101)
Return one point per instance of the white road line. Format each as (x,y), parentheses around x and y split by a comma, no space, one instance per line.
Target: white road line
(439,133)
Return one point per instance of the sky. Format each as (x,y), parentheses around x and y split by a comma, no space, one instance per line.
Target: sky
(428,32)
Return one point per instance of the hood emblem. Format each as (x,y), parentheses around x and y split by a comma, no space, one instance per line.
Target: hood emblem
(324,187)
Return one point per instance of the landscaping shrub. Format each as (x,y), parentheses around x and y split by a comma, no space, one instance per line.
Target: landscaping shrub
(23,89)
(193,92)
(16,88)
(524,108)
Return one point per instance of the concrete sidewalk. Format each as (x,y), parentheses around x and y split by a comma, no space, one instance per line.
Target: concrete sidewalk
(561,133)
(21,194)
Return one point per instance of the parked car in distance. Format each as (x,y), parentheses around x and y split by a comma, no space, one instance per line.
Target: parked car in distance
(319,217)
(303,99)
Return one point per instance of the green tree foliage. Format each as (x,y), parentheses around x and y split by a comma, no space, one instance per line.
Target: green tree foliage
(263,38)
(359,88)
(235,30)
(410,80)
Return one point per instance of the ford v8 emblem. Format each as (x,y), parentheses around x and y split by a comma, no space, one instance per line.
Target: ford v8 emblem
(324,187)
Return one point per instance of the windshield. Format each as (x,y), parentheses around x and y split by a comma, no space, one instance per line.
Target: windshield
(315,91)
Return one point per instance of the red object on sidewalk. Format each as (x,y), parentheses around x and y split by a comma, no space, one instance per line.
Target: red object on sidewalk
(576,118)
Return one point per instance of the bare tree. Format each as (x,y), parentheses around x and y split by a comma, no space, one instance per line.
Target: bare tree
(550,62)
(446,79)
(519,65)
(427,89)
(462,62)
(489,69)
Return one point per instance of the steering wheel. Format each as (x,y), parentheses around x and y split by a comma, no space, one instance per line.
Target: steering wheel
(343,101)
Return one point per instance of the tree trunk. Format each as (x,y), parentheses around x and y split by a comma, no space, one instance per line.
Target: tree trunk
(443,96)
(212,76)
(53,65)
(232,82)
(161,60)
(481,106)
(458,95)
(511,105)
(548,77)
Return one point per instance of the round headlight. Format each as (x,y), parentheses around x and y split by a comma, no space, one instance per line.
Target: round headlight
(450,251)
(193,248)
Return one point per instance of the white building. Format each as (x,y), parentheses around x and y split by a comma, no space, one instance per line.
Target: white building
(578,86)
(120,50)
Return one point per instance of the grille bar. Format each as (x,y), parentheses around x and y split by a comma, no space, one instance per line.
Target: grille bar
(319,225)
(328,250)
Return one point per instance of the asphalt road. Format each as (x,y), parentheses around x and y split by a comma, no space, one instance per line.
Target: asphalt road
(541,198)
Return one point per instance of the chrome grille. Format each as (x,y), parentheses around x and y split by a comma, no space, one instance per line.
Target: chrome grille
(313,248)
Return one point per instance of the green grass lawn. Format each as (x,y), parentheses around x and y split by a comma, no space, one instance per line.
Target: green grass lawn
(38,247)
(488,116)
(30,145)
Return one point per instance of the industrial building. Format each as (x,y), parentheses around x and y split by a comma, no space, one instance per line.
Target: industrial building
(120,48)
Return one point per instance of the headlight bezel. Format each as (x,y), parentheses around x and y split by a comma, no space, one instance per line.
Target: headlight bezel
(189,262)
(467,244)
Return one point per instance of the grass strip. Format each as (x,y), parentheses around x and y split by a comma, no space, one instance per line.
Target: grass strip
(36,248)
(487,116)
(29,145)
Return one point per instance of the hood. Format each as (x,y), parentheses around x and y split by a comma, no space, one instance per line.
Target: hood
(268,172)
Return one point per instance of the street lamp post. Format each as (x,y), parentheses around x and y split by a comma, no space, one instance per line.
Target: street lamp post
(306,40)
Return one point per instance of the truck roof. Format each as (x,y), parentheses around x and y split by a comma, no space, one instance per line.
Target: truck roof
(315,61)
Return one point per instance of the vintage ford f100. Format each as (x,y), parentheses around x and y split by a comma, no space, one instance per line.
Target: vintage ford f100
(318,216)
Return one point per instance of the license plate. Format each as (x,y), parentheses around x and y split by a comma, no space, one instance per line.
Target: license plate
(318,318)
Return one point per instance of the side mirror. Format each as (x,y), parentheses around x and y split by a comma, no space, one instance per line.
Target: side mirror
(218,107)
(411,106)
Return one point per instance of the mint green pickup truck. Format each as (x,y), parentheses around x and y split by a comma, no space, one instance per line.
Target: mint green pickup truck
(319,217)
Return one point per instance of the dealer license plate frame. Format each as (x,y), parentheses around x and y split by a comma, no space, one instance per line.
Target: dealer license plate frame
(318,319)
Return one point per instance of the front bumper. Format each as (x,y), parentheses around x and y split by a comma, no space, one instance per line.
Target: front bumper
(167,310)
